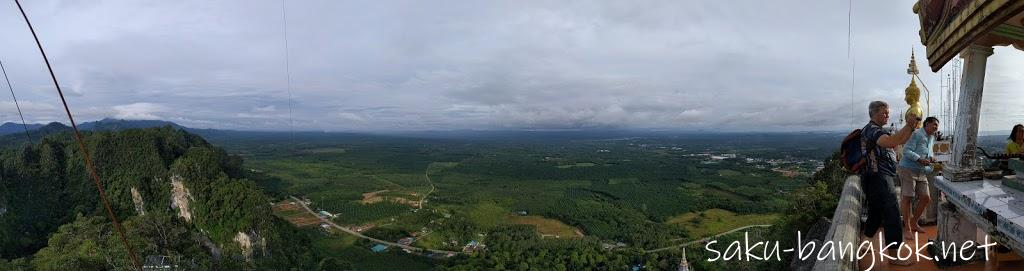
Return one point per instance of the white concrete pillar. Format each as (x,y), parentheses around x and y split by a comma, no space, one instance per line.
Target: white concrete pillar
(965,134)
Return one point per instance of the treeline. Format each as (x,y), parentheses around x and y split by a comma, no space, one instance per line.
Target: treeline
(612,166)
(518,247)
(53,219)
(607,221)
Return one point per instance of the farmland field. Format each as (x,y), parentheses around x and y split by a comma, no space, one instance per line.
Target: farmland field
(714,221)
(547,226)
(642,193)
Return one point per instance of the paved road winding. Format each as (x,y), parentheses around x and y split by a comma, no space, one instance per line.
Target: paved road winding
(426,174)
(360,235)
(705,239)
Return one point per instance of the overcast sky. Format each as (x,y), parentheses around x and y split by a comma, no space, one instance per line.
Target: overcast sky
(414,65)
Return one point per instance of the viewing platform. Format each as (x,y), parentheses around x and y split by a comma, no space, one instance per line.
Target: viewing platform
(965,205)
(850,214)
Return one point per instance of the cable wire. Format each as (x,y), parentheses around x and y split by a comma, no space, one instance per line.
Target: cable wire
(16,105)
(853,62)
(287,68)
(81,145)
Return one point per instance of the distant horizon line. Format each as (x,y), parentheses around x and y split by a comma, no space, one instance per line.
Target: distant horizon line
(401,131)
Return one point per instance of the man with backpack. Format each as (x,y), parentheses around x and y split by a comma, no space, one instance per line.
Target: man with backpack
(879,172)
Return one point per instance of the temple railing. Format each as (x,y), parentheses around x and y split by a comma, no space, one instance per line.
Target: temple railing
(845,227)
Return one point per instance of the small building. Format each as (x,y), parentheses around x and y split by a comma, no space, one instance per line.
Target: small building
(616,245)
(326,214)
(406,241)
(473,246)
(379,248)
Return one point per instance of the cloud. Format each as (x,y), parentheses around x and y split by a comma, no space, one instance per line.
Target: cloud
(712,65)
(268,108)
(142,111)
(9,110)
(348,116)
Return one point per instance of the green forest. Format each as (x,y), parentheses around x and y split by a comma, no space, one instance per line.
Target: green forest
(623,196)
(206,207)
(53,219)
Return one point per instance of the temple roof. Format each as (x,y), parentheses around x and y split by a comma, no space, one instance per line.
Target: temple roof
(949,26)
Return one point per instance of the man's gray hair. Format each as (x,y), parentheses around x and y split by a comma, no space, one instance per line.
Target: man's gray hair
(876,106)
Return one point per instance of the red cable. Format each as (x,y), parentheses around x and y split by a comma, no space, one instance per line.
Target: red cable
(81,145)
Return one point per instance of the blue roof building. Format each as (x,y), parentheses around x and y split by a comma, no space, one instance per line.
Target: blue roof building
(379,248)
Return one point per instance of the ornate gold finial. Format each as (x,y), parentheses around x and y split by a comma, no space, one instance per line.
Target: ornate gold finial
(912,93)
(912,67)
(913,99)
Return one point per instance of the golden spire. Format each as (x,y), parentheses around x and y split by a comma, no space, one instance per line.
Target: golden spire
(912,67)
(912,93)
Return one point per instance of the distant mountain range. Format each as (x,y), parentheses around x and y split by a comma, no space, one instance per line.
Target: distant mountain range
(110,124)
(10,128)
(219,135)
(120,124)
(107,124)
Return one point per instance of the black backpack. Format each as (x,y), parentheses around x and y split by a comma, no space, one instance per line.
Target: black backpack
(854,152)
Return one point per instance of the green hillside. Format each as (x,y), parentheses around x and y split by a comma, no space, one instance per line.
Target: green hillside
(219,219)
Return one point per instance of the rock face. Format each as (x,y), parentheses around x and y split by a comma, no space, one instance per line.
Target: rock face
(248,244)
(245,243)
(138,202)
(180,198)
